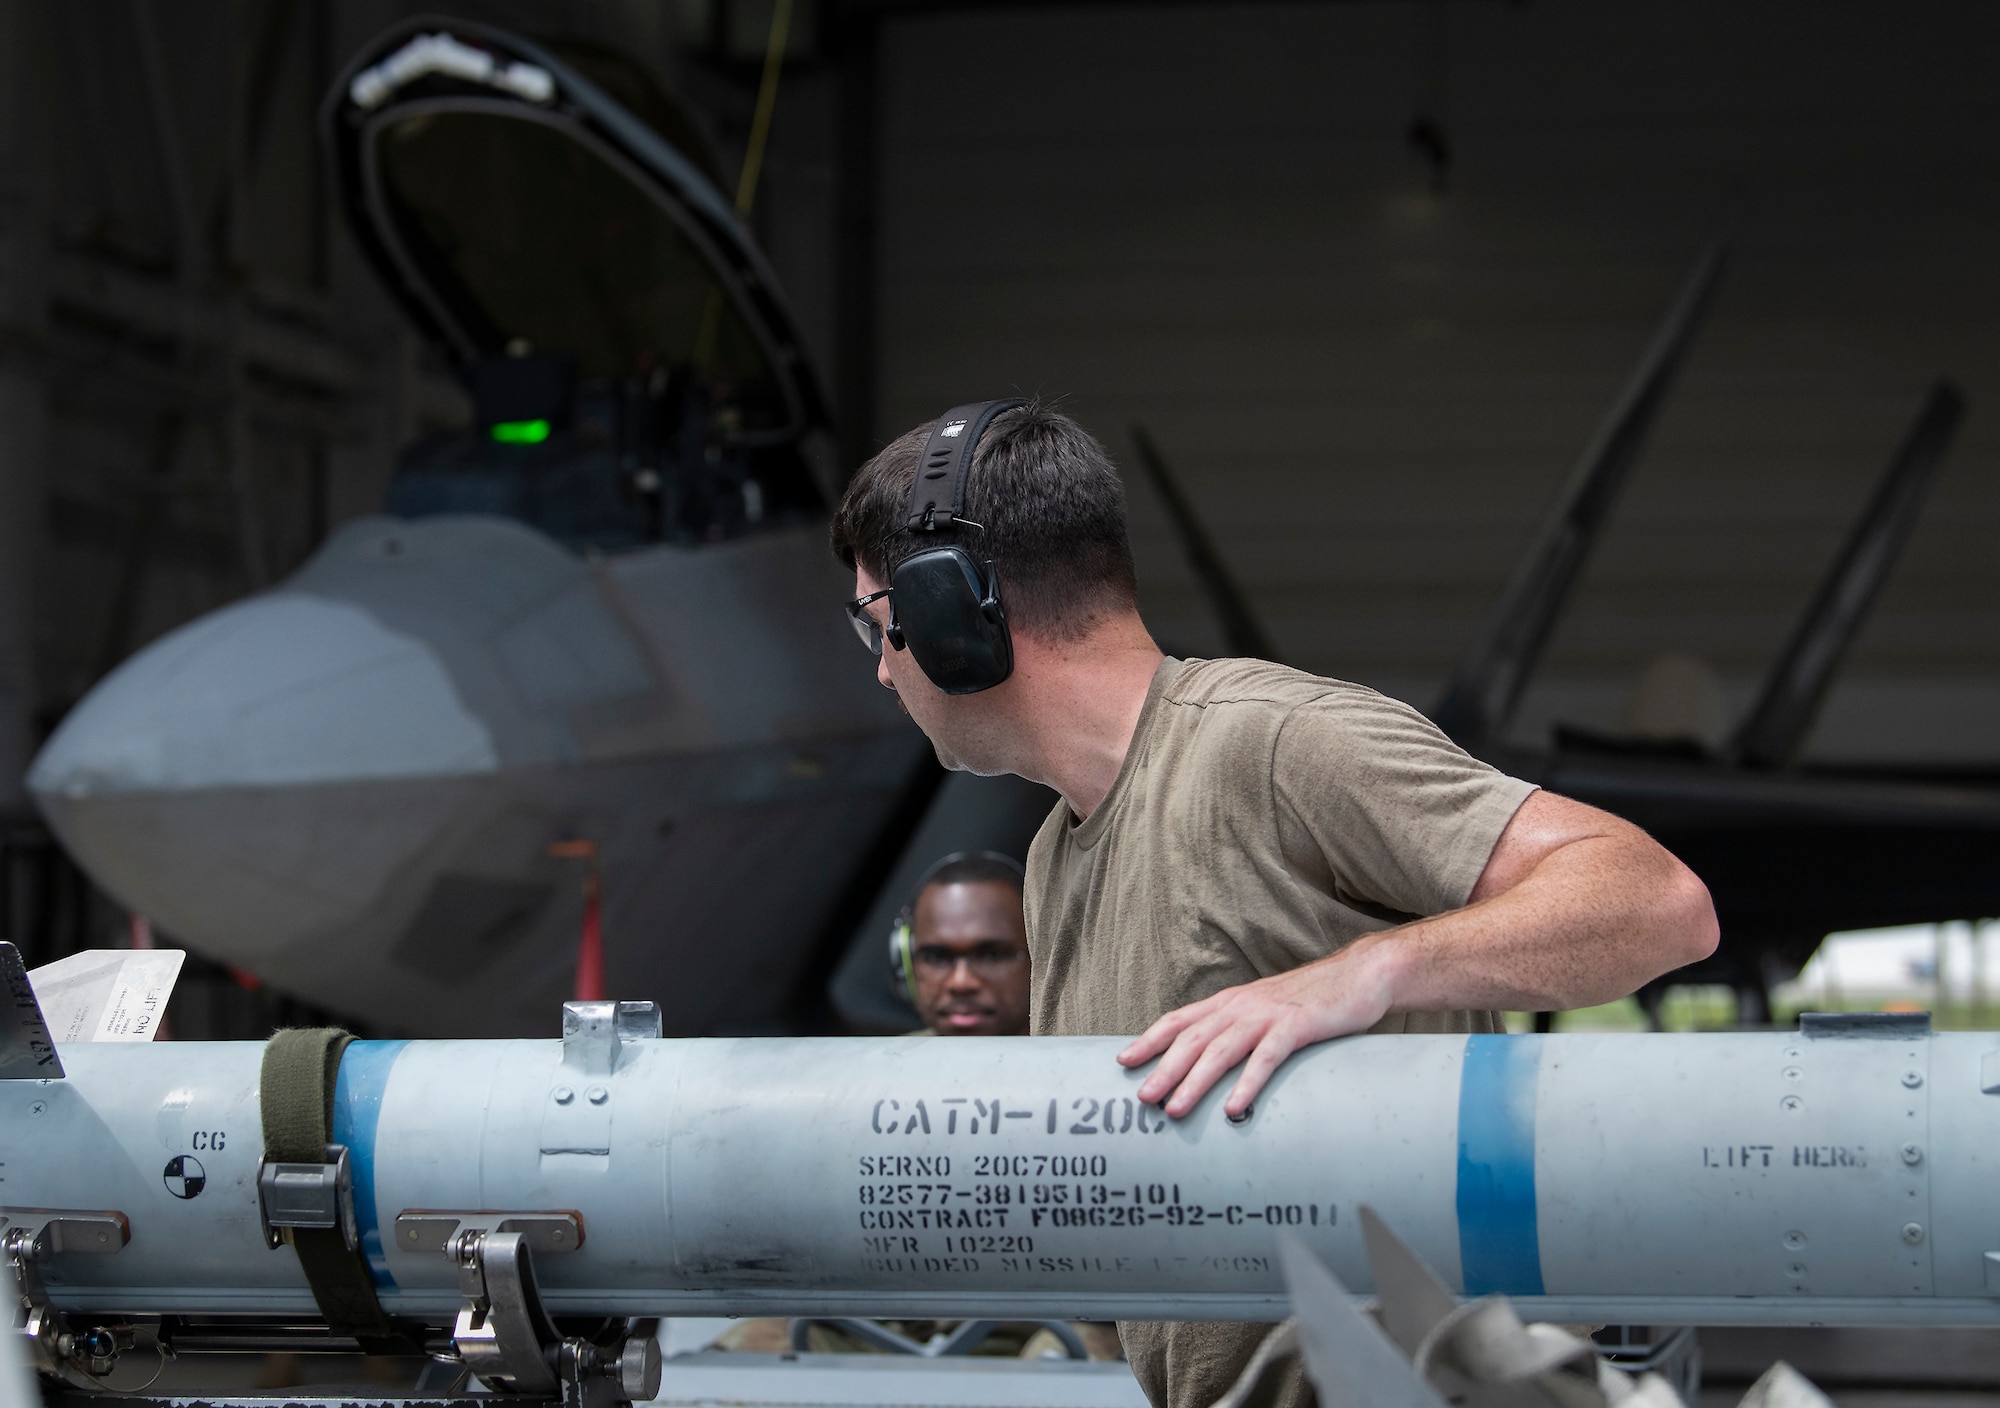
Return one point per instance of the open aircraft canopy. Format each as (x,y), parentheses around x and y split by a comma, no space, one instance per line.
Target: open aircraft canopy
(509,200)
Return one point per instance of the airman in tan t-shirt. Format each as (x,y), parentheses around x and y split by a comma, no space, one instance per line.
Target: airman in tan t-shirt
(1247,860)
(1263,818)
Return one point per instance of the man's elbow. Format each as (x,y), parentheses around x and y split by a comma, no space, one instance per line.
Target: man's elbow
(1688,927)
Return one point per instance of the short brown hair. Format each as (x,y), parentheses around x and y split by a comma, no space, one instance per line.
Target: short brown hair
(1053,510)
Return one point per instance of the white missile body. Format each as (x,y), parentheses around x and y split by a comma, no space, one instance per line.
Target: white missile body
(1741,1178)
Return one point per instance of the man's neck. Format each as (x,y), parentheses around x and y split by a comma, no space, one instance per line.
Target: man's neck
(1082,705)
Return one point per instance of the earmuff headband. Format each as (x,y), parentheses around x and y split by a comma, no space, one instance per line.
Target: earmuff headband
(945,462)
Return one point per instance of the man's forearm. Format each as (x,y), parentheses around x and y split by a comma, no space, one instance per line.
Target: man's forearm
(1592,921)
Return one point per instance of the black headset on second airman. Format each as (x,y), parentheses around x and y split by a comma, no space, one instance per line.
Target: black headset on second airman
(944,601)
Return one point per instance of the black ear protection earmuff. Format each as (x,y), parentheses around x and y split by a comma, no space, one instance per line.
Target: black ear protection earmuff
(902,951)
(944,601)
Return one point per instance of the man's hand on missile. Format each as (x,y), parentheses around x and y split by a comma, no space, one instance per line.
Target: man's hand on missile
(1258,1025)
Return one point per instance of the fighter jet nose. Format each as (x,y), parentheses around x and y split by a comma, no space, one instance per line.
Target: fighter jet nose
(257,778)
(283,689)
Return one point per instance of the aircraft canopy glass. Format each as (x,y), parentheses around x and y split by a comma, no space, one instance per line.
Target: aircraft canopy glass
(528,230)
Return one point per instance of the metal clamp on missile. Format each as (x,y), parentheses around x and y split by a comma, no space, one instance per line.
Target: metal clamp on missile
(316,1197)
(503,1334)
(432,1230)
(28,1238)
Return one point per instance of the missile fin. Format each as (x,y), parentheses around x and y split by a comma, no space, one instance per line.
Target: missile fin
(1349,1359)
(1414,1301)
(27,1052)
(1782,1386)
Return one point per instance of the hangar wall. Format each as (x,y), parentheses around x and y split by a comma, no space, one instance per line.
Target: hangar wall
(1211,218)
(1371,376)
(21,408)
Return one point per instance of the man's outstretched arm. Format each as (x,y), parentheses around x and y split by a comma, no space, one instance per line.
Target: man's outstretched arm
(1575,907)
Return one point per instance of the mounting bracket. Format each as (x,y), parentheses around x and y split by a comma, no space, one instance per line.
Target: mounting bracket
(503,1336)
(28,1238)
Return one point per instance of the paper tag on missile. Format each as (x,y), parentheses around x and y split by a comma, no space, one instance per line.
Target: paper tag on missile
(107,994)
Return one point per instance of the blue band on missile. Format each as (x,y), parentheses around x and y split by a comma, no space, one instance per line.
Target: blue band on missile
(357,1106)
(1499,1243)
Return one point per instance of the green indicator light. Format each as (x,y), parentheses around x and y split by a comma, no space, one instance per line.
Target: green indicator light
(520,432)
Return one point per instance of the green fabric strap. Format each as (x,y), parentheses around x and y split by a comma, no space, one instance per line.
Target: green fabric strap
(295,1094)
(300,1068)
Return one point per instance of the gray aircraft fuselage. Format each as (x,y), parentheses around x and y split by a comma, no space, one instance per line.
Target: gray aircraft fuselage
(348,785)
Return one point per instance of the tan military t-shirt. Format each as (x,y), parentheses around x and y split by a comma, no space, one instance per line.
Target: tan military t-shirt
(1263,818)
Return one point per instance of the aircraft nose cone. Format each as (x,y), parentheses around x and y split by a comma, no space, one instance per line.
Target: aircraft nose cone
(283,689)
(256,778)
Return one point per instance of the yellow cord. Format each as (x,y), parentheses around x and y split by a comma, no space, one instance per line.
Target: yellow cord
(753,167)
(767,99)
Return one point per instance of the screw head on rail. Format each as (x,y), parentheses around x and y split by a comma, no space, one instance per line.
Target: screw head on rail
(1913,1232)
(1912,1079)
(1912,1155)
